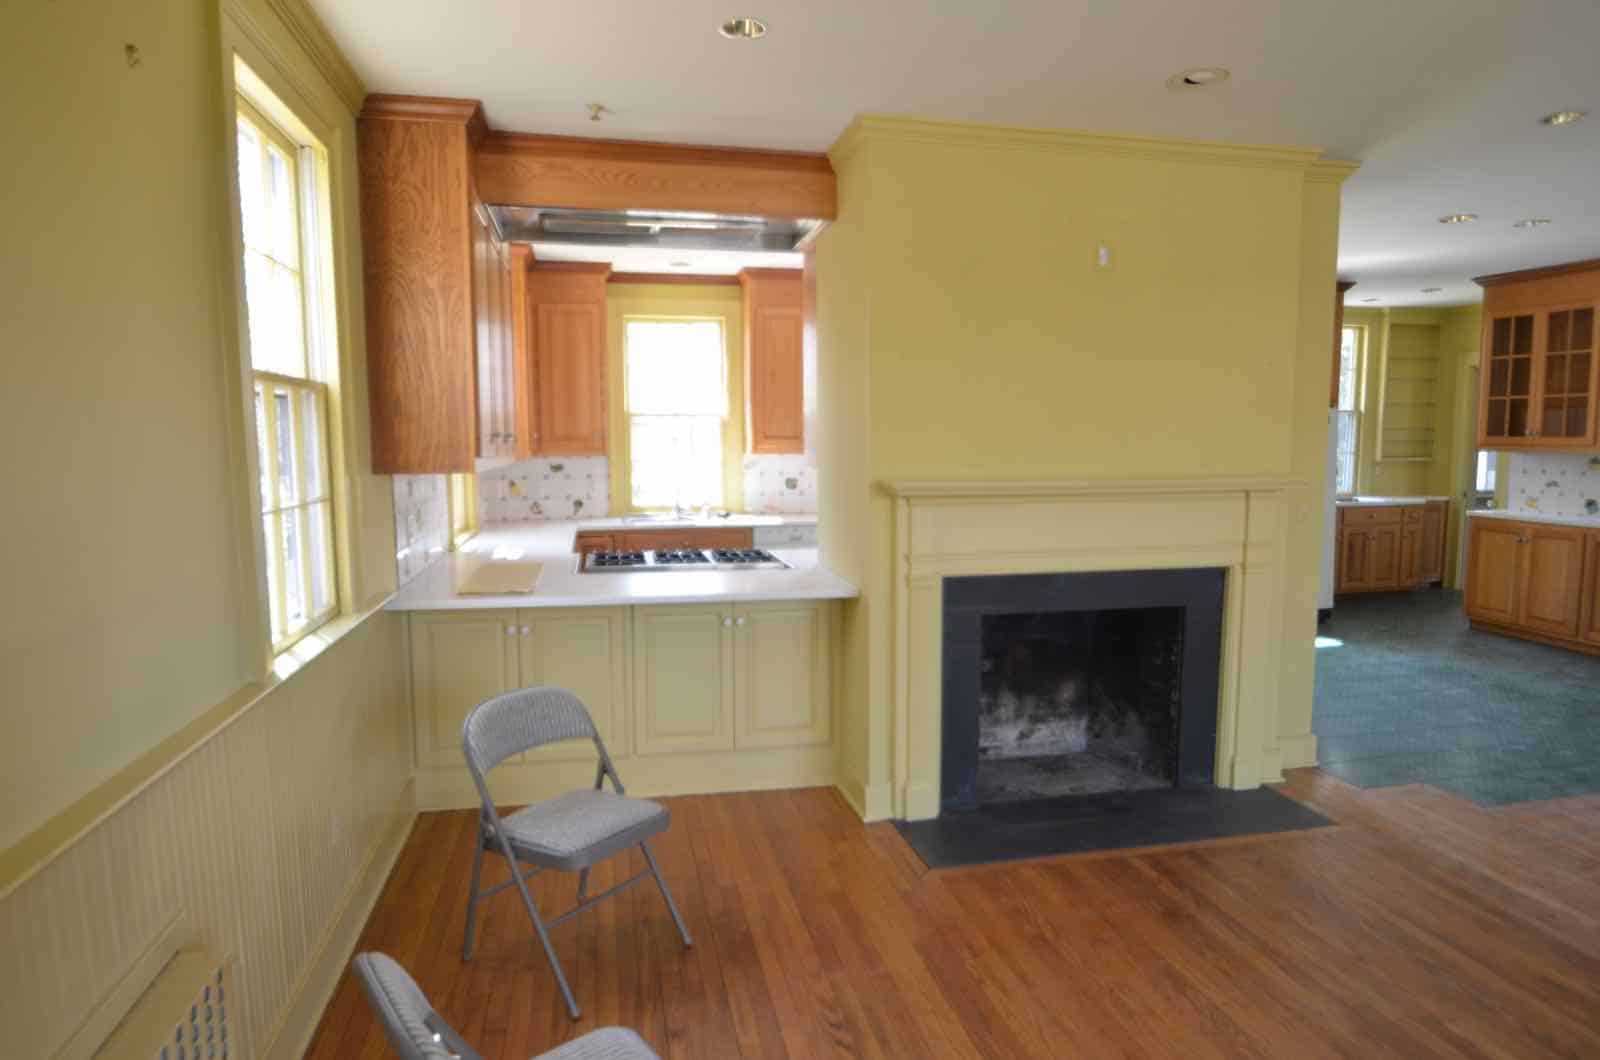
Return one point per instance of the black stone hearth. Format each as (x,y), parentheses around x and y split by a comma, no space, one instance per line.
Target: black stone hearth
(1060,685)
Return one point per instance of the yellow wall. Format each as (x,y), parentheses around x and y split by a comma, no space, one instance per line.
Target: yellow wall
(1000,351)
(723,301)
(138,715)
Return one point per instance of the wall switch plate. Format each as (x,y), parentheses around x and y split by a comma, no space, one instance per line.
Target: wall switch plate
(1102,255)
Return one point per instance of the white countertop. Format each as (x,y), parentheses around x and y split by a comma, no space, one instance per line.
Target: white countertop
(1364,501)
(635,522)
(561,584)
(1590,521)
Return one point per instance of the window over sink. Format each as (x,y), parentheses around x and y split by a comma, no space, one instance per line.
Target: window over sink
(676,396)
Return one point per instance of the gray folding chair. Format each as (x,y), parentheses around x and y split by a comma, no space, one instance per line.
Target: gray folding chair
(569,832)
(417,1032)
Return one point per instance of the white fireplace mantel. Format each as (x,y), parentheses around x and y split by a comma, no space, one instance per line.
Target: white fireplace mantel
(949,529)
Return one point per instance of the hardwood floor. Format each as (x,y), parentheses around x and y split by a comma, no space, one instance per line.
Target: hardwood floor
(1421,926)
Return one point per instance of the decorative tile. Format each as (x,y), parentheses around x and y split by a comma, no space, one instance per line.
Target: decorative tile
(1554,483)
(421,522)
(779,484)
(569,487)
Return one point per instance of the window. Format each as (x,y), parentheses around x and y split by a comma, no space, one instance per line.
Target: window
(463,508)
(277,204)
(1487,471)
(676,398)
(1348,412)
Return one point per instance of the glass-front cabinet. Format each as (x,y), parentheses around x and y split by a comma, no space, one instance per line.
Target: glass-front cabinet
(1540,370)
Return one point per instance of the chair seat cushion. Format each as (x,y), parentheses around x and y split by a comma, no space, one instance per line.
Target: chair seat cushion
(577,829)
(607,1043)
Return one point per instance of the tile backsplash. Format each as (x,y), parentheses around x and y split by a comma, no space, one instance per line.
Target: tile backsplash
(779,484)
(568,487)
(1554,483)
(421,522)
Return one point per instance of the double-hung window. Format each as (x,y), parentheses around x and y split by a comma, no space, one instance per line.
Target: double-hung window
(1348,412)
(676,395)
(277,199)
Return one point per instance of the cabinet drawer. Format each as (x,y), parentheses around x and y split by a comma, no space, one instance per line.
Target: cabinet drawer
(1371,516)
(1412,515)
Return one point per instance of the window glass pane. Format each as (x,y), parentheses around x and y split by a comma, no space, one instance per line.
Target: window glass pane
(294,597)
(288,488)
(269,535)
(251,193)
(677,460)
(676,368)
(263,454)
(314,454)
(320,539)
(285,227)
(1349,350)
(1345,478)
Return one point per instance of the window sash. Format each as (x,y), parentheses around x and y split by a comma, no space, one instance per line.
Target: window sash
(275,249)
(1345,446)
(697,459)
(296,505)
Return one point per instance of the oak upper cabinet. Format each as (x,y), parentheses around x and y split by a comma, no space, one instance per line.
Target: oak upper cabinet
(567,314)
(491,295)
(417,235)
(1541,373)
(1493,570)
(774,361)
(458,660)
(683,678)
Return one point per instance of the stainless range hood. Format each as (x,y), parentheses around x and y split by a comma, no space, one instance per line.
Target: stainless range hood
(652,229)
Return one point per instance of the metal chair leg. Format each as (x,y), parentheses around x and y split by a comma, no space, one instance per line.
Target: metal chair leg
(672,907)
(544,940)
(472,902)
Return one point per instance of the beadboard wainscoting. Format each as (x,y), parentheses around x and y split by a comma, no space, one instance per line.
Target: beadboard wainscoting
(265,842)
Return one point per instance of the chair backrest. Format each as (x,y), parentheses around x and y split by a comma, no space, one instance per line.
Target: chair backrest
(413,1028)
(519,721)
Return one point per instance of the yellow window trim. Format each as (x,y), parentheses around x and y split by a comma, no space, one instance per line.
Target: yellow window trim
(461,493)
(674,303)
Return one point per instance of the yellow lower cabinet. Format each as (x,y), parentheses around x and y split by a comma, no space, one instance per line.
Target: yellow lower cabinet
(781,674)
(458,660)
(585,651)
(683,678)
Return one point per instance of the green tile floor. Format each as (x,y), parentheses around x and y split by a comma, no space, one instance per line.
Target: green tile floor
(1407,693)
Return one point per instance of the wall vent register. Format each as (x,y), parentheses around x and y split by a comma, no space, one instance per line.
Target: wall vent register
(682,559)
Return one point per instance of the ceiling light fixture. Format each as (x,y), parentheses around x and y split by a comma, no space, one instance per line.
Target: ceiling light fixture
(743,28)
(1432,290)
(678,264)
(1457,218)
(1564,117)
(1199,77)
(1531,222)
(1372,299)
(598,111)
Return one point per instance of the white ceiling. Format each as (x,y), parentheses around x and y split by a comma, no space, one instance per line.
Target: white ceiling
(1439,99)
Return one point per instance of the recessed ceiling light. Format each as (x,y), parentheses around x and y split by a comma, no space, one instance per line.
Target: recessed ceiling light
(678,264)
(1564,117)
(1531,222)
(1457,218)
(1198,77)
(743,28)
(1432,290)
(1372,299)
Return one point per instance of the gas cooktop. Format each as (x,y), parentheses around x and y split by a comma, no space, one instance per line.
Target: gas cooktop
(681,559)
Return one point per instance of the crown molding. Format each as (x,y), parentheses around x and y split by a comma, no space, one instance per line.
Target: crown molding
(318,44)
(1330,171)
(464,112)
(970,489)
(878,128)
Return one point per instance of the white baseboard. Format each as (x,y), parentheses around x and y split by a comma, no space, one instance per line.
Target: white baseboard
(1298,752)
(315,988)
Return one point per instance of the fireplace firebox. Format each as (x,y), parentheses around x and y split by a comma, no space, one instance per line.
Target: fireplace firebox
(1063,685)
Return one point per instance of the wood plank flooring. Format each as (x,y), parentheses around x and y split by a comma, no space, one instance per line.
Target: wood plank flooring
(1421,926)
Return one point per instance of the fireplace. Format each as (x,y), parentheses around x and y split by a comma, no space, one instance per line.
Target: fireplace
(1080,684)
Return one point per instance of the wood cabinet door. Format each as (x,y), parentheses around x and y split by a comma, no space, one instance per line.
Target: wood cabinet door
(1505,407)
(781,675)
(1411,555)
(1355,550)
(1552,573)
(585,651)
(774,328)
(1589,597)
(483,309)
(458,660)
(1565,377)
(1385,557)
(683,682)
(1493,570)
(1431,563)
(524,388)
(569,347)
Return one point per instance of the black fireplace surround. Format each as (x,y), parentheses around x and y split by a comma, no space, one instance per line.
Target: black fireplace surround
(1195,594)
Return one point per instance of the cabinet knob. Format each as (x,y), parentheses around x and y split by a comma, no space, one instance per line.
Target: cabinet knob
(727,622)
(526,631)
(739,621)
(511,631)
